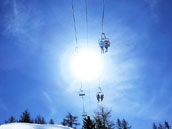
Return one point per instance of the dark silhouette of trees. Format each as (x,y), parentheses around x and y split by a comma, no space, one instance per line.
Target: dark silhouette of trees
(40,120)
(88,123)
(10,120)
(51,121)
(167,126)
(65,123)
(122,124)
(118,124)
(99,124)
(125,124)
(70,121)
(162,126)
(154,126)
(102,119)
(25,117)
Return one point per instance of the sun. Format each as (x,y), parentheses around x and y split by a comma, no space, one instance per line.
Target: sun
(87,65)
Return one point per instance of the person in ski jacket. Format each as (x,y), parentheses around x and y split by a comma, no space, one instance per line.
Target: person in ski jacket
(102,97)
(106,44)
(98,97)
(101,44)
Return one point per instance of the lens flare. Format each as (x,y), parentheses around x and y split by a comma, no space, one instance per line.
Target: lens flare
(87,65)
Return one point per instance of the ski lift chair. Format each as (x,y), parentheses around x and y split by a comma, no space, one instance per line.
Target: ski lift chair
(84,114)
(100,96)
(101,44)
(104,42)
(81,93)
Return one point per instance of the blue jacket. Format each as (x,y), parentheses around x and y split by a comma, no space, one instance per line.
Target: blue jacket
(101,43)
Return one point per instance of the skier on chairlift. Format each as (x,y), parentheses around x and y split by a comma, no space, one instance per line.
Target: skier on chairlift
(102,96)
(104,42)
(98,97)
(101,44)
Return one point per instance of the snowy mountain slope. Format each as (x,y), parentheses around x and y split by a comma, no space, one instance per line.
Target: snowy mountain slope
(31,126)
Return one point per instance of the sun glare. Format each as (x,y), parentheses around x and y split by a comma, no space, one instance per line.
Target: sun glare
(87,65)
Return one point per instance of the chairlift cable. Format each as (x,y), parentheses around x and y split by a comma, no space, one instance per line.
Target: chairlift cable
(82,94)
(103,12)
(99,83)
(86,12)
(76,39)
(83,104)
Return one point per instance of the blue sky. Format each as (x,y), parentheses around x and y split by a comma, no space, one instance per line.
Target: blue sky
(37,41)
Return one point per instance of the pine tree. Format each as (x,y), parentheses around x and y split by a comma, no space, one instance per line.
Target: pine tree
(65,123)
(70,121)
(25,117)
(10,120)
(99,124)
(167,126)
(88,123)
(40,120)
(102,119)
(155,126)
(51,121)
(125,124)
(160,126)
(119,124)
